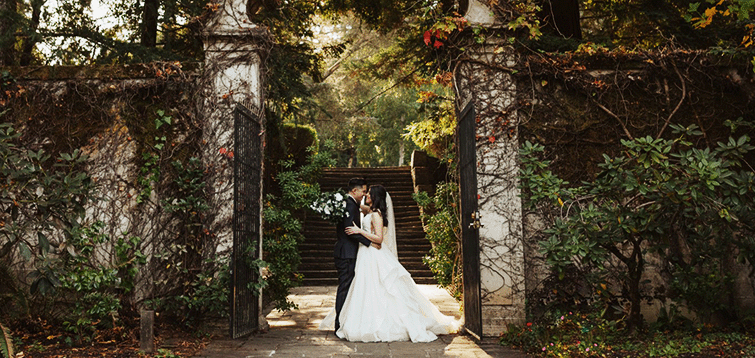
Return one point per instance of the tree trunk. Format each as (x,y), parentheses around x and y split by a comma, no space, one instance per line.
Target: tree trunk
(352,157)
(8,14)
(635,267)
(562,17)
(401,152)
(401,145)
(149,23)
(31,39)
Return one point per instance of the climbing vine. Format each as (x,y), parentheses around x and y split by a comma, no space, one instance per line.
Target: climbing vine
(145,238)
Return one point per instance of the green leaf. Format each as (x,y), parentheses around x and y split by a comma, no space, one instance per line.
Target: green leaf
(71,250)
(25,251)
(6,342)
(43,242)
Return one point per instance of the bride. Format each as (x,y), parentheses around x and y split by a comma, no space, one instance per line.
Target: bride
(384,304)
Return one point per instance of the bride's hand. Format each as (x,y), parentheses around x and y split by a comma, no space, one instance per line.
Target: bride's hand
(376,245)
(351,230)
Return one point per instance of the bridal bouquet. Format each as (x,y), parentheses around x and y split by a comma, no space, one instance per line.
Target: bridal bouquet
(331,206)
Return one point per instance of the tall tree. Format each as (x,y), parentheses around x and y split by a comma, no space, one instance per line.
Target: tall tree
(8,24)
(562,17)
(32,37)
(647,24)
(149,23)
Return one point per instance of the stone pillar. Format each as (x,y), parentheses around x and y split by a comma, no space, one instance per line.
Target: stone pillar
(234,48)
(493,91)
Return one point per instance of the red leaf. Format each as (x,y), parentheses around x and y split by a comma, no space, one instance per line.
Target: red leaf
(427,37)
(437,44)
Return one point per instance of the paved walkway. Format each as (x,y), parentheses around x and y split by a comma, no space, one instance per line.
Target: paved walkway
(295,334)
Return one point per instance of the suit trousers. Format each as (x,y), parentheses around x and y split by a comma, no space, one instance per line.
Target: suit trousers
(345,268)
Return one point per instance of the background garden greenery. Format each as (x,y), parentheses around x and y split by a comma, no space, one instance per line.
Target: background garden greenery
(368,98)
(662,203)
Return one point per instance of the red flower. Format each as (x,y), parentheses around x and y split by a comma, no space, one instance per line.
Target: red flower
(427,37)
(230,154)
(491,139)
(223,150)
(529,324)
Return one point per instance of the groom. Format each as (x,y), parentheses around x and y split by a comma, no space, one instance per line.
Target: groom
(345,254)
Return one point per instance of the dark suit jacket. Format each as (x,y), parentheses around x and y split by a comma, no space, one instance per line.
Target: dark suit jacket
(347,245)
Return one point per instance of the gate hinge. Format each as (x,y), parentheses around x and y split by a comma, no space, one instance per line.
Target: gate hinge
(475,224)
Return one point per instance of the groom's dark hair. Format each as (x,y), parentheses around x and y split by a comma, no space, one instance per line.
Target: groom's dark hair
(356,183)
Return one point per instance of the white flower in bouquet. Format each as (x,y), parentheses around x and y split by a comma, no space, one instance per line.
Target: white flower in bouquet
(330,206)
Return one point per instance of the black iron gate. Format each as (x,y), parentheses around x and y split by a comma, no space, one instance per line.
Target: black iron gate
(470,239)
(247,194)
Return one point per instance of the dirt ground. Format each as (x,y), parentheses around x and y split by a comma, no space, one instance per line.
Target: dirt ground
(37,339)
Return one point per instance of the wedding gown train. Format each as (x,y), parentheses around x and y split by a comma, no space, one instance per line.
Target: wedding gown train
(384,303)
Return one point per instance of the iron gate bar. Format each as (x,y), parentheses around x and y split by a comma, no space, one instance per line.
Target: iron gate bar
(470,239)
(247,194)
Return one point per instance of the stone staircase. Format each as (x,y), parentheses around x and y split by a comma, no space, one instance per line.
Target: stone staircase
(317,250)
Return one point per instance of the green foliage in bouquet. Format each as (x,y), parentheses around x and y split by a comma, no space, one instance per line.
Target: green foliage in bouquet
(331,206)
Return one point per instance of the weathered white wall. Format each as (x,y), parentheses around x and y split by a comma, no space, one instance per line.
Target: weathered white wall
(501,246)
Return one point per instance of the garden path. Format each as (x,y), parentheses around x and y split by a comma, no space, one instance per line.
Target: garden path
(295,334)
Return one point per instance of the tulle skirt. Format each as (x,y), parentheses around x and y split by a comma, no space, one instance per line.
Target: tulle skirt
(385,305)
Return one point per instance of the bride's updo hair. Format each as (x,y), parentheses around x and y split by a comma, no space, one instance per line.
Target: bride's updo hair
(379,203)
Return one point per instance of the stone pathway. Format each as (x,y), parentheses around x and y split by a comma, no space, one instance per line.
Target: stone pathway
(295,334)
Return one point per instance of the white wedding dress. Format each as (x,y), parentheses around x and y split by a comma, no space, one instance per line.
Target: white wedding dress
(384,304)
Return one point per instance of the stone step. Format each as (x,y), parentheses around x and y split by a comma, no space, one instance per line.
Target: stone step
(317,269)
(330,233)
(407,255)
(418,244)
(331,273)
(403,222)
(309,281)
(317,265)
(402,247)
